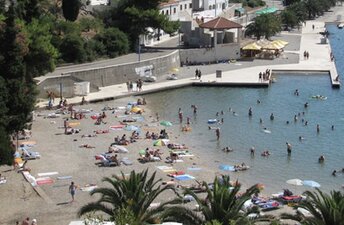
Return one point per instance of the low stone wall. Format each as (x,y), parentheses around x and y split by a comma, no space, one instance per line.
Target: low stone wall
(209,55)
(106,76)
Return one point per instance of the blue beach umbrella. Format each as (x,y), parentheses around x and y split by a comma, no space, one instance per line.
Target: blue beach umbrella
(166,123)
(311,183)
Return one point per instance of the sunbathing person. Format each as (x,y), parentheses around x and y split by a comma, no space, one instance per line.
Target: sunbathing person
(129,120)
(154,136)
(88,135)
(101,131)
(157,154)
(86,146)
(177,146)
(115,160)
(135,135)
(148,135)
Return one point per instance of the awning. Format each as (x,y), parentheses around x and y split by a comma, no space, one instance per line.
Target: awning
(266,10)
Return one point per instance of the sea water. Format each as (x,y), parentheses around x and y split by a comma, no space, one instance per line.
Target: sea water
(240,131)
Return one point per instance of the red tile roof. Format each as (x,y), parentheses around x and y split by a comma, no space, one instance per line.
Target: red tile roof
(220,23)
(169,2)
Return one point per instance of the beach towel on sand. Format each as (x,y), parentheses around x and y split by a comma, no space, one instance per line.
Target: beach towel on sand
(184,177)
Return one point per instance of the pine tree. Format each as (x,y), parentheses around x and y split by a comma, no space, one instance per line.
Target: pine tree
(71,9)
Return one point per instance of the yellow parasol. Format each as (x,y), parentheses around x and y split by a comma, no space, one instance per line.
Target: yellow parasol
(252,46)
(281,42)
(175,70)
(136,110)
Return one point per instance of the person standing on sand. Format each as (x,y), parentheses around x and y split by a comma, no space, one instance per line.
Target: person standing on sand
(72,190)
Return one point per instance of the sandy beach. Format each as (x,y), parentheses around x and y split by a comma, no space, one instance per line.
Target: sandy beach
(61,153)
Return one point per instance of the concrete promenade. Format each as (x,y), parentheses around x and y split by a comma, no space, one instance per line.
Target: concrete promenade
(319,60)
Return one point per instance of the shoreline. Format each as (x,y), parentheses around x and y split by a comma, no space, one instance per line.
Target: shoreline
(64,155)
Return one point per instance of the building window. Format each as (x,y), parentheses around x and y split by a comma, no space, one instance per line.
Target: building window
(174,10)
(190,6)
(162,12)
(166,12)
(181,7)
(210,7)
(185,6)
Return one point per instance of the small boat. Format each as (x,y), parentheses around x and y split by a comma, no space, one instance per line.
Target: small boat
(340,26)
(212,121)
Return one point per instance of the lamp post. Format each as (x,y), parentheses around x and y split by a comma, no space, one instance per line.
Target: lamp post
(139,50)
(61,86)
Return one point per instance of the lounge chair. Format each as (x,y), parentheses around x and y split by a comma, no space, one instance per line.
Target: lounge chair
(28,154)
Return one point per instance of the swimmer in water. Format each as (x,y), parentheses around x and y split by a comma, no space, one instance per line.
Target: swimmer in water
(288,148)
(321,159)
(252,150)
(272,117)
(260,120)
(301,138)
(258,101)
(250,111)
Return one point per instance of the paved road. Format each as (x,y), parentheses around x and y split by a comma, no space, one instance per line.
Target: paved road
(133,57)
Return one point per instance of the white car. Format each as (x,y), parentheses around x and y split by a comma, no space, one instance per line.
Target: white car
(149,78)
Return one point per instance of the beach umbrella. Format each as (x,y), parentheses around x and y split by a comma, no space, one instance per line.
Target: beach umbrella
(281,42)
(132,128)
(252,46)
(296,182)
(136,109)
(175,70)
(142,152)
(311,183)
(166,123)
(161,142)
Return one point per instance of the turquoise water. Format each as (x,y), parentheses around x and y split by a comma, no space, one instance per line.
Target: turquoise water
(241,132)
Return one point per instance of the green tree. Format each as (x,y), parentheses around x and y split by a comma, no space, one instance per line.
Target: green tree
(289,19)
(42,54)
(326,209)
(87,24)
(265,25)
(300,11)
(115,42)
(134,16)
(27,10)
(133,194)
(6,152)
(72,49)
(70,9)
(221,204)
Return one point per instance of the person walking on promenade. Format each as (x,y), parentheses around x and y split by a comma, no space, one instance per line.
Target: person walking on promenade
(72,190)
(199,74)
(196,73)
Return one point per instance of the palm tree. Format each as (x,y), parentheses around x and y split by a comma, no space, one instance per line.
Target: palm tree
(223,204)
(134,195)
(326,209)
